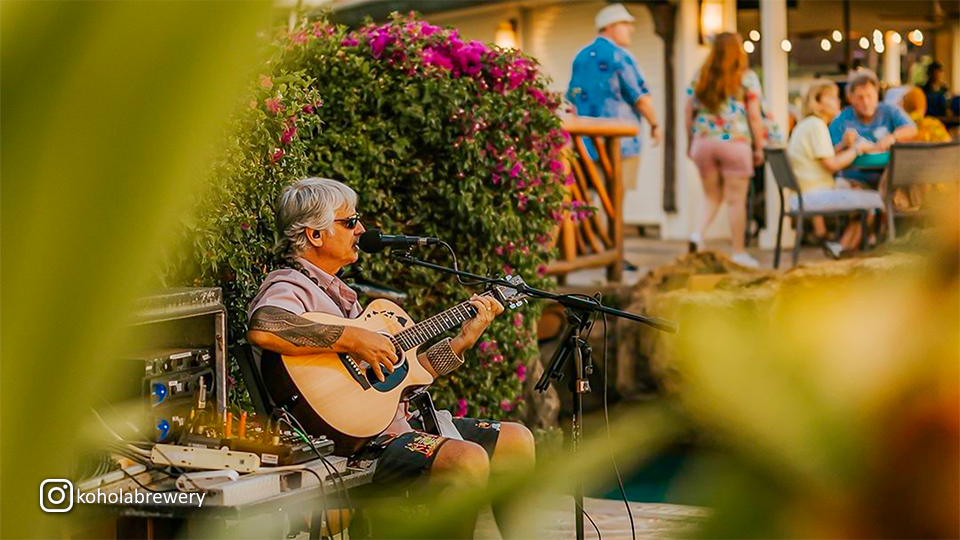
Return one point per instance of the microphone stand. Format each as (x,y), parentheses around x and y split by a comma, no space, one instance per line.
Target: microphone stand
(579,310)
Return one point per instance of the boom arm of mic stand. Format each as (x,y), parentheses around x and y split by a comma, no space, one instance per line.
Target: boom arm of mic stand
(568,301)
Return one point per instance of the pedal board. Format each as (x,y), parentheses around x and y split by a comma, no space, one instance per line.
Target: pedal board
(291,452)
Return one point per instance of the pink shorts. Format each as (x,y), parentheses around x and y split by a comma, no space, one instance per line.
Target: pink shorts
(730,159)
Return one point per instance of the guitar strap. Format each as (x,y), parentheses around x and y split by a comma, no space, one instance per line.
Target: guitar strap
(428,413)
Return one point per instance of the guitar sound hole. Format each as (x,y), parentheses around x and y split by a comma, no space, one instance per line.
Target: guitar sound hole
(401,359)
(391,380)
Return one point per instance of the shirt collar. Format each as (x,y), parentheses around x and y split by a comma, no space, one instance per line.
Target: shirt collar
(335,288)
(608,40)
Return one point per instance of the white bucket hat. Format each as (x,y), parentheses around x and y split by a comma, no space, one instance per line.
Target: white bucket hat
(611,14)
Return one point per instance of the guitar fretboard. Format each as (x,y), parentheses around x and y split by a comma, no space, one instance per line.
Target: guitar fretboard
(434,326)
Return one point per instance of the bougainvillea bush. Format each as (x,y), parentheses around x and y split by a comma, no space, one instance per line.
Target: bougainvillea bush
(230,240)
(440,137)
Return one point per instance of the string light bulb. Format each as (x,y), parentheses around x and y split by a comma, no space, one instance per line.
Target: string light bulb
(754,35)
(864,43)
(916,37)
(786,46)
(895,36)
(749,47)
(825,44)
(837,36)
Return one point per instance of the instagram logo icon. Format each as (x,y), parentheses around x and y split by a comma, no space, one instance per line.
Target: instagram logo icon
(56,495)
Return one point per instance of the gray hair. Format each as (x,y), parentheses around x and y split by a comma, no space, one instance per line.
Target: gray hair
(861,77)
(311,203)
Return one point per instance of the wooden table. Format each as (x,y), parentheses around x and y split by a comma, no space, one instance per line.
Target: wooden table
(261,517)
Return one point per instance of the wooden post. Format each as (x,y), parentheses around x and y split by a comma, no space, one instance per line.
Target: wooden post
(615,270)
(664,20)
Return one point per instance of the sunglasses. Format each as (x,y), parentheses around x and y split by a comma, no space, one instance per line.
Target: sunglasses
(350,222)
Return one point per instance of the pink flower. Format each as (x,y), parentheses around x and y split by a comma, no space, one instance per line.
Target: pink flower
(516,170)
(522,372)
(507,269)
(498,250)
(497,358)
(273,105)
(265,81)
(379,42)
(308,109)
(569,180)
(461,408)
(556,166)
(349,41)
(299,38)
(495,178)
(542,99)
(485,346)
(518,320)
(277,154)
(521,184)
(431,57)
(288,134)
(522,202)
(244,226)
(541,270)
(515,79)
(506,405)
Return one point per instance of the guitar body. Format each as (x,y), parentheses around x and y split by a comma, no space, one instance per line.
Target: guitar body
(334,395)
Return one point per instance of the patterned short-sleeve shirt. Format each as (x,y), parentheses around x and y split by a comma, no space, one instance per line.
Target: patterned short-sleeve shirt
(730,123)
(606,82)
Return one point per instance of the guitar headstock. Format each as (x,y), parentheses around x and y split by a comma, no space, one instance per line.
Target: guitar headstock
(510,297)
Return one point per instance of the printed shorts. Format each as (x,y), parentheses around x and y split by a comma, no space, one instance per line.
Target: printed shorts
(403,459)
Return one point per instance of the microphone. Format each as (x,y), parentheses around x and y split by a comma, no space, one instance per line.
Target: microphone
(374,241)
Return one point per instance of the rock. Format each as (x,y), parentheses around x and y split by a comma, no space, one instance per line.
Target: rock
(710,279)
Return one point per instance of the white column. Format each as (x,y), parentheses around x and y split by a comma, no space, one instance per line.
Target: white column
(773,28)
(730,16)
(891,59)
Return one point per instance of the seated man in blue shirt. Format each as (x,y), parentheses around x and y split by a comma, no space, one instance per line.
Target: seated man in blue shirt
(607,83)
(867,118)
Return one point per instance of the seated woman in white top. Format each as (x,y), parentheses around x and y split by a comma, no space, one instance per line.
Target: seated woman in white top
(814,162)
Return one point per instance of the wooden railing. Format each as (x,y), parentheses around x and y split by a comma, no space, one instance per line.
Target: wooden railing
(596,240)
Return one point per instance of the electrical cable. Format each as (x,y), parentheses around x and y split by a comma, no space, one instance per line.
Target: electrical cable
(590,519)
(606,416)
(130,476)
(138,432)
(331,470)
(457,267)
(323,496)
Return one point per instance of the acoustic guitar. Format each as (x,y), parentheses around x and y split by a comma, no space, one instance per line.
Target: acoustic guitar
(338,396)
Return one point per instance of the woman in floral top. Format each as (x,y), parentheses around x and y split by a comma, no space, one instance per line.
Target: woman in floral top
(725,128)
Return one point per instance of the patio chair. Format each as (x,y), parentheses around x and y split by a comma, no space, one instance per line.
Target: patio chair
(918,164)
(799,211)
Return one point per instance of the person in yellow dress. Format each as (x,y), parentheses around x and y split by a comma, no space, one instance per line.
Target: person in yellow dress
(929,130)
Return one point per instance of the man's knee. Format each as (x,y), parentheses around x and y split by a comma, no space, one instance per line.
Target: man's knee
(462,462)
(516,447)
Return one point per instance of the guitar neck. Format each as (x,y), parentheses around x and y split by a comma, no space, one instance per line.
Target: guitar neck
(428,329)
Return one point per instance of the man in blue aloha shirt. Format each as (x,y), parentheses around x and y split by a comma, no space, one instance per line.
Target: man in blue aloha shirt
(607,83)
(868,119)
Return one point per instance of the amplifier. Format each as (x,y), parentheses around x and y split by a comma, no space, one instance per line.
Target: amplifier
(171,382)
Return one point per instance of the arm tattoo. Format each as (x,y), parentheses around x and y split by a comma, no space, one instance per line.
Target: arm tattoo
(295,329)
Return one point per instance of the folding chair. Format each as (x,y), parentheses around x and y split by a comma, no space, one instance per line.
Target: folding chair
(783,174)
(918,164)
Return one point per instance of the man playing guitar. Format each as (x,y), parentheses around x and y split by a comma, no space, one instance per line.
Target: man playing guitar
(321,227)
